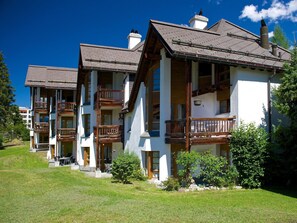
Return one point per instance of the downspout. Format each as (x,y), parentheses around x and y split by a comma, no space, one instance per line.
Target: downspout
(269,107)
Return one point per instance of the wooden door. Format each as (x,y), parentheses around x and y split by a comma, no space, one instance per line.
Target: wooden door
(86,156)
(52,151)
(32,142)
(106,117)
(152,164)
(225,151)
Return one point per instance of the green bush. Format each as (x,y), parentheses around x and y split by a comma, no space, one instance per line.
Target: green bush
(171,184)
(126,167)
(213,170)
(188,162)
(216,170)
(249,150)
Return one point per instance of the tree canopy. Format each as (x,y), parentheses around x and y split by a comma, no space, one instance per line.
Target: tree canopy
(280,38)
(6,93)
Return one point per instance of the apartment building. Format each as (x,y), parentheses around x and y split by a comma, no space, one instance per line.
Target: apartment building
(53,109)
(194,85)
(26,116)
(105,78)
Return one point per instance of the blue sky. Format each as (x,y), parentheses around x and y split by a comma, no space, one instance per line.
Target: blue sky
(41,32)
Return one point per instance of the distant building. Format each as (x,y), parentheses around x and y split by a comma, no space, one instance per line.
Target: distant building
(25,113)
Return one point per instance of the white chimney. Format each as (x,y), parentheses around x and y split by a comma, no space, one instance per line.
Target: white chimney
(133,39)
(198,22)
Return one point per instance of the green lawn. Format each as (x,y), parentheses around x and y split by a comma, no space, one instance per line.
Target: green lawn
(32,192)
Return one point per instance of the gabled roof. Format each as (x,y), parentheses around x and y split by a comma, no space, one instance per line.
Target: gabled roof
(51,77)
(224,42)
(105,58)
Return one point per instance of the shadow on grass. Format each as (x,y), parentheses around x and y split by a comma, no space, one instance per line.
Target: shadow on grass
(290,192)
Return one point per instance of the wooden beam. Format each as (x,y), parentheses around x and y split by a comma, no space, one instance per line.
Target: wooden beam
(188,77)
(151,56)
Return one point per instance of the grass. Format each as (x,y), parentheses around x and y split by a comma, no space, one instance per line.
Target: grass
(32,192)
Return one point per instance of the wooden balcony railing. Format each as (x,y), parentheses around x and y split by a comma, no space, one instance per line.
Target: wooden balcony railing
(109,133)
(203,130)
(66,134)
(41,127)
(66,106)
(40,105)
(41,146)
(109,97)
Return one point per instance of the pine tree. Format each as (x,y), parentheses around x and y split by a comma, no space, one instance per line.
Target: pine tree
(280,38)
(6,93)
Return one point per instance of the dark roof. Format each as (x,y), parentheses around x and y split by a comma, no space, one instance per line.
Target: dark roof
(224,42)
(110,58)
(51,77)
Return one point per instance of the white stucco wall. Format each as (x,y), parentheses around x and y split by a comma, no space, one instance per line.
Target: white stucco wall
(249,98)
(137,140)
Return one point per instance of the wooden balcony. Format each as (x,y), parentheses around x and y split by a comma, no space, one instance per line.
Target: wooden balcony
(203,131)
(66,107)
(66,134)
(109,133)
(41,127)
(108,97)
(40,106)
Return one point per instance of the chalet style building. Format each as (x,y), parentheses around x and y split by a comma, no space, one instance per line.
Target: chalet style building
(194,85)
(53,109)
(184,89)
(105,79)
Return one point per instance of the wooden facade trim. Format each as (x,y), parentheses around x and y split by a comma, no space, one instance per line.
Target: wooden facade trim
(188,77)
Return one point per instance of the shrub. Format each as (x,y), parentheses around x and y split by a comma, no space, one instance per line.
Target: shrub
(249,149)
(171,184)
(126,167)
(216,171)
(188,161)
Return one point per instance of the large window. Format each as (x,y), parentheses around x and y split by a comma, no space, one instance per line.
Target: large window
(153,101)
(87,89)
(87,125)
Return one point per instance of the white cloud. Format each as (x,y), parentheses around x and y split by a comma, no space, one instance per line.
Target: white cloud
(270,34)
(277,11)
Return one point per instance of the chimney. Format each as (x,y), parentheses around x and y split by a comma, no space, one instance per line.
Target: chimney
(264,35)
(274,50)
(133,39)
(198,21)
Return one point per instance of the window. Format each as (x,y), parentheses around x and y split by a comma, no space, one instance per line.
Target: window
(87,125)
(153,101)
(88,89)
(67,122)
(53,128)
(225,106)
(205,71)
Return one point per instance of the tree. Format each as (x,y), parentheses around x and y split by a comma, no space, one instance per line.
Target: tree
(280,38)
(286,93)
(248,145)
(283,152)
(6,93)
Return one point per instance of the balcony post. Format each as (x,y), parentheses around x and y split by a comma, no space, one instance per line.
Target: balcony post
(188,76)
